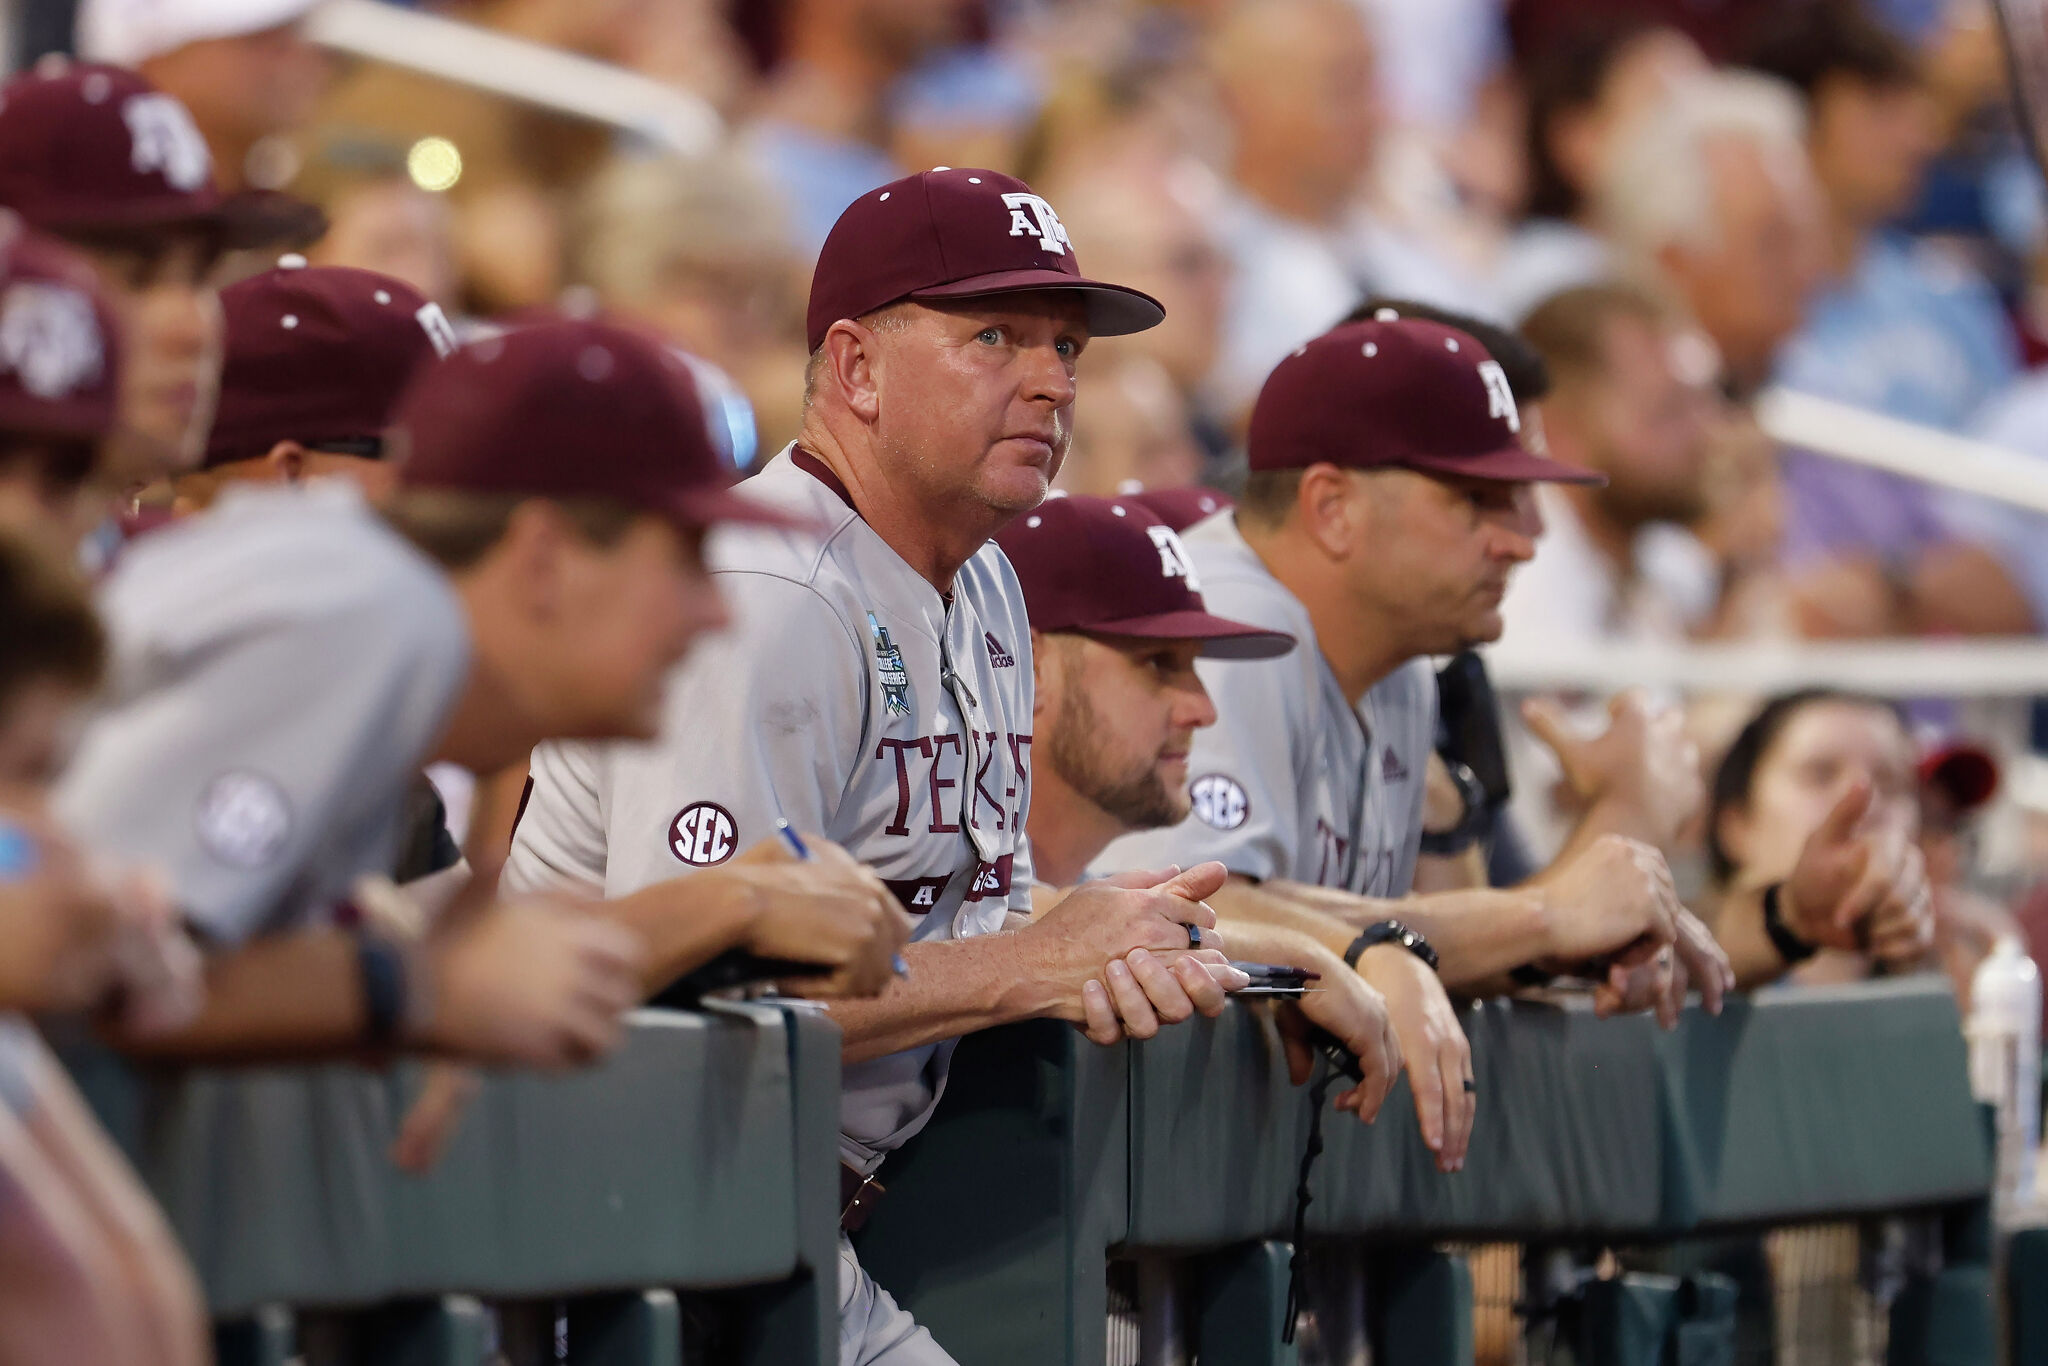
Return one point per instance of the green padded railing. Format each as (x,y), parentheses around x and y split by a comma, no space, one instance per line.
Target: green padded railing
(700,1157)
(1049,1152)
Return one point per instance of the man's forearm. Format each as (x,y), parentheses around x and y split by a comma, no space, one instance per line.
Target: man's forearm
(1478,934)
(684,923)
(955,987)
(295,996)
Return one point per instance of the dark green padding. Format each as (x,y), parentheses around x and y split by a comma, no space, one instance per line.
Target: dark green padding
(673,1164)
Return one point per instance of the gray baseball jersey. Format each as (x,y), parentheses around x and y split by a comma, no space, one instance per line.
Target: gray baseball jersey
(281,666)
(855,700)
(1292,781)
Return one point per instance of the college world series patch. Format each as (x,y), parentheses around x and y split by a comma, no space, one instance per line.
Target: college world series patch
(889,671)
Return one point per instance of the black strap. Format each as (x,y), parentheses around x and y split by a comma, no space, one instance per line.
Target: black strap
(1318,1092)
(1790,946)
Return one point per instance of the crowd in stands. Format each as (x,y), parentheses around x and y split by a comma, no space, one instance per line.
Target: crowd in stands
(464,568)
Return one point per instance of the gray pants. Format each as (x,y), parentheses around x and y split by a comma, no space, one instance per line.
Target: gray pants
(873,1329)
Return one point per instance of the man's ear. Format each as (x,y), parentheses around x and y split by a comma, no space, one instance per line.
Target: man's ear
(531,556)
(286,462)
(850,356)
(1327,509)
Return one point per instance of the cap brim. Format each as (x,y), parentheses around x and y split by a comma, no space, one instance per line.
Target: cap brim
(1113,310)
(1221,637)
(711,507)
(1512,465)
(236,222)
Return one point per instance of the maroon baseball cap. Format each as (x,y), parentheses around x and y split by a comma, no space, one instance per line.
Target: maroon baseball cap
(957,234)
(1181,508)
(318,354)
(1108,566)
(1399,392)
(1966,771)
(59,344)
(97,151)
(570,410)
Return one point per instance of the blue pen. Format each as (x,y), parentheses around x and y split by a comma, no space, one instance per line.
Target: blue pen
(802,853)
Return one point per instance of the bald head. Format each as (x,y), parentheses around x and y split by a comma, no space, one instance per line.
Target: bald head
(1148,226)
(1298,81)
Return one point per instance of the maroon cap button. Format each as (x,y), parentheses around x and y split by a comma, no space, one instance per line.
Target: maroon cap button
(1181,508)
(99,152)
(318,354)
(957,234)
(570,410)
(1109,567)
(59,349)
(1399,392)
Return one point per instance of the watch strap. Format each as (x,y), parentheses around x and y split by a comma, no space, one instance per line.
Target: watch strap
(1390,932)
(1789,945)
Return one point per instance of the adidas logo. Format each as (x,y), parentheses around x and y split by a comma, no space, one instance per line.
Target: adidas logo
(998,657)
(1392,770)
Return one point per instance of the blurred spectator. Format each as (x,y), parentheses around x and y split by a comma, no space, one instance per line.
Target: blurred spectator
(506,167)
(821,126)
(972,106)
(1813,769)
(702,252)
(1135,435)
(1153,224)
(378,217)
(1631,396)
(1298,83)
(1900,327)
(1583,92)
(244,70)
(1712,195)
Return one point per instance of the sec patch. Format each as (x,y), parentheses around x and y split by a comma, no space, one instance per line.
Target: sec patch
(1219,801)
(703,833)
(243,818)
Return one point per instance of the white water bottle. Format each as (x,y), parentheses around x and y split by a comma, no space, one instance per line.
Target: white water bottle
(2005,1061)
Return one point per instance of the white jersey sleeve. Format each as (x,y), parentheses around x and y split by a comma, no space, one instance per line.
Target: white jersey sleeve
(279,677)
(764,723)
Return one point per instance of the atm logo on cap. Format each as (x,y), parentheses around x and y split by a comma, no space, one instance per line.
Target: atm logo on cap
(1500,395)
(1173,557)
(163,138)
(49,339)
(1031,216)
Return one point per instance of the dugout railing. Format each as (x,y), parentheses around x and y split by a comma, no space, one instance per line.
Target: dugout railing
(1050,1158)
(676,1203)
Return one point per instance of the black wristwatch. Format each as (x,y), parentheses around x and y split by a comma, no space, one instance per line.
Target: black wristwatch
(1789,945)
(1390,932)
(1472,823)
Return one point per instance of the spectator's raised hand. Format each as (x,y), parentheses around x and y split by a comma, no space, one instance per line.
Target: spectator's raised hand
(829,908)
(1122,951)
(1433,1048)
(1858,888)
(1355,1015)
(527,983)
(1644,761)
